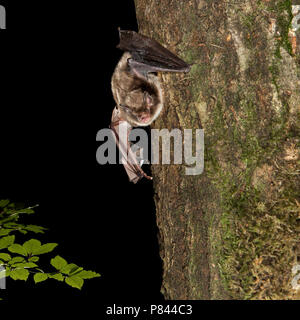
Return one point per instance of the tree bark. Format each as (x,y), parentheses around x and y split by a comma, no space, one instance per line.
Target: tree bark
(233,231)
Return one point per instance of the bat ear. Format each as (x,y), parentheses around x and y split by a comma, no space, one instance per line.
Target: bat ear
(119,31)
(148,99)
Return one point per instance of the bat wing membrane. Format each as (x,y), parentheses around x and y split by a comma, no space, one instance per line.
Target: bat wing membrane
(148,52)
(121,130)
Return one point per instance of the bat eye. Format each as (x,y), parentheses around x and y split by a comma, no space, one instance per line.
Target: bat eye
(124,108)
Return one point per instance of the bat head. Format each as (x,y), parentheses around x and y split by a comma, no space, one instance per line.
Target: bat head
(138,107)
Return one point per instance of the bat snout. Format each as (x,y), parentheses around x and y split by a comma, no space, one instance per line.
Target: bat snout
(145,117)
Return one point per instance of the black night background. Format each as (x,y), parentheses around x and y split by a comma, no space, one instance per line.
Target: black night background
(56,67)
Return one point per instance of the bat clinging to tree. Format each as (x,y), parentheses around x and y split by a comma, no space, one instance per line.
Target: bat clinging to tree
(137,90)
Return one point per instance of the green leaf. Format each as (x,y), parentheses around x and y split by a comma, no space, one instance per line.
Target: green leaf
(34,259)
(39,277)
(11,225)
(8,227)
(26,210)
(70,268)
(57,276)
(19,274)
(6,241)
(16,259)
(31,246)
(87,274)
(24,265)
(4,203)
(74,282)
(17,248)
(58,262)
(35,229)
(5,256)
(45,248)
(5,232)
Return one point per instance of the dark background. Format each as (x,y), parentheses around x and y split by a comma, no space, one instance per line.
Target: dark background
(56,66)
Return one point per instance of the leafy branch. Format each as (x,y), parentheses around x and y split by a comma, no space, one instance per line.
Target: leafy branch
(21,260)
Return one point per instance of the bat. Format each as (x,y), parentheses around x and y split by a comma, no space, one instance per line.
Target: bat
(137,91)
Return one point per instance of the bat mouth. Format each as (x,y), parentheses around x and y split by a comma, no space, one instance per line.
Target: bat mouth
(144,118)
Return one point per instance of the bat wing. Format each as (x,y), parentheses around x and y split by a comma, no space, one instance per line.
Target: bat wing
(148,55)
(121,129)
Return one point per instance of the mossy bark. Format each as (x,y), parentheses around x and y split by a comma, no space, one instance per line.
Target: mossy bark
(233,231)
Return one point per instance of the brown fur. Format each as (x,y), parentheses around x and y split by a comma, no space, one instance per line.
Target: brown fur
(136,97)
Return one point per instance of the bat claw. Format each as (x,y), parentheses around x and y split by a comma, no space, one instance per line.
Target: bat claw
(148,177)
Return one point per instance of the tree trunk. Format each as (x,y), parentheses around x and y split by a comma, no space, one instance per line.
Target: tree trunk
(233,231)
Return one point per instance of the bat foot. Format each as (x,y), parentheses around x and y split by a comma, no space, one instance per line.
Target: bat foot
(147,177)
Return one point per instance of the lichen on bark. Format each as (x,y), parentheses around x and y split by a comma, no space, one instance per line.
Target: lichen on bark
(233,231)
